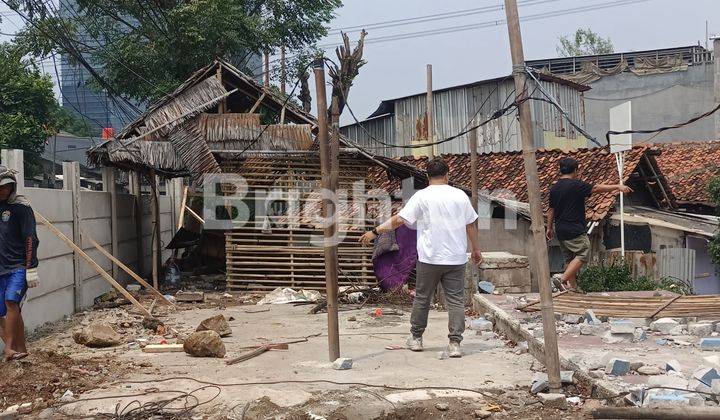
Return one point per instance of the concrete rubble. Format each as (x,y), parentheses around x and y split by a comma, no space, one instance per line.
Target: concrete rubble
(217,323)
(97,335)
(204,344)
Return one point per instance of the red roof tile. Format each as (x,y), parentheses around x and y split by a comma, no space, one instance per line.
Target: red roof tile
(504,174)
(689,167)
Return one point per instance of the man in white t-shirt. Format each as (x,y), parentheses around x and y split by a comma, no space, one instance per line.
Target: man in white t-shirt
(444,219)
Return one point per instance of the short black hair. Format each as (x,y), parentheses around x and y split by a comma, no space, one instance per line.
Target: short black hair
(437,168)
(568,165)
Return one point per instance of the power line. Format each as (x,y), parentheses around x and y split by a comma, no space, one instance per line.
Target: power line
(497,22)
(433,17)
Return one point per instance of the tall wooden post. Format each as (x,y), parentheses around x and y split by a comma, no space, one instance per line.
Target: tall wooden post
(282,69)
(472,137)
(156,228)
(330,250)
(266,73)
(429,112)
(552,361)
(716,54)
(136,191)
(109,185)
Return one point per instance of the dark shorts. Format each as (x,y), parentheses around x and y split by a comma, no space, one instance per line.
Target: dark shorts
(576,248)
(13,286)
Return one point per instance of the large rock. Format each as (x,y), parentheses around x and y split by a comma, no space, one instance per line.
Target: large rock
(218,323)
(204,344)
(700,329)
(664,325)
(97,335)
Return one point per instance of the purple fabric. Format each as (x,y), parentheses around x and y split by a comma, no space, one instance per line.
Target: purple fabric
(393,268)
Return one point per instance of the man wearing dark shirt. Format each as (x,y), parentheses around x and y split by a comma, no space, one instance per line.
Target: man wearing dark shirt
(567,215)
(18,263)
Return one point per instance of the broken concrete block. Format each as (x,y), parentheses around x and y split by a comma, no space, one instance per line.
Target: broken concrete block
(663,399)
(637,322)
(622,326)
(706,375)
(611,338)
(481,324)
(482,414)
(591,329)
(664,325)
(553,400)
(572,319)
(342,363)
(677,330)
(715,386)
(649,370)
(538,386)
(710,344)
(190,296)
(661,341)
(204,344)
(537,332)
(639,335)
(574,400)
(486,287)
(97,335)
(218,323)
(672,381)
(522,347)
(696,385)
(673,365)
(617,367)
(700,329)
(591,319)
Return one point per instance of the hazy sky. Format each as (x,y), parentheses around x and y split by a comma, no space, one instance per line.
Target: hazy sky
(397,68)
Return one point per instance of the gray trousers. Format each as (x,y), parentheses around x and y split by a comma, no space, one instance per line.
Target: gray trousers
(452,278)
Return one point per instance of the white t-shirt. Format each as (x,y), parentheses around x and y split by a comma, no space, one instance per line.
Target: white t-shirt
(440,214)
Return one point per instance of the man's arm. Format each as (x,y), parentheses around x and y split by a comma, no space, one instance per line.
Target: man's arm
(603,188)
(28,229)
(389,225)
(474,238)
(550,223)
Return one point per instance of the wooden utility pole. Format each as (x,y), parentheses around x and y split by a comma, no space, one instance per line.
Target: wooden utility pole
(330,249)
(716,52)
(472,137)
(282,69)
(266,73)
(429,113)
(552,360)
(152,179)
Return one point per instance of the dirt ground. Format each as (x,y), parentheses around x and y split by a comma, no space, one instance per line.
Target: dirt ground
(384,383)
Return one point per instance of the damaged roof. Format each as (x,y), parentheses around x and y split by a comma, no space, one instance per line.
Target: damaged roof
(688,167)
(503,174)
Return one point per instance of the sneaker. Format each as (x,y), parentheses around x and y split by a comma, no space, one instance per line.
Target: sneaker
(415,343)
(453,349)
(557,282)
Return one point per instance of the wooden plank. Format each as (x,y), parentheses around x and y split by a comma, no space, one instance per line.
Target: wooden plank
(181,217)
(163,348)
(257,104)
(126,268)
(92,263)
(195,215)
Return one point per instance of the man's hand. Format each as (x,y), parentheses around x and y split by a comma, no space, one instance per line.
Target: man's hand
(32,278)
(367,238)
(549,234)
(477,257)
(624,189)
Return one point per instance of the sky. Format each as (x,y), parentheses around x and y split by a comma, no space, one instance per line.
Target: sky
(397,68)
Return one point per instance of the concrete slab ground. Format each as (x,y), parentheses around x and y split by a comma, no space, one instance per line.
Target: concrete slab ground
(300,380)
(591,353)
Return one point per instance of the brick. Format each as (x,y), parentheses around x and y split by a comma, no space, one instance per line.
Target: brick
(710,344)
(553,400)
(622,326)
(617,367)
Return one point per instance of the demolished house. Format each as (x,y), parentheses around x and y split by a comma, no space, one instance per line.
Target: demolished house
(221,121)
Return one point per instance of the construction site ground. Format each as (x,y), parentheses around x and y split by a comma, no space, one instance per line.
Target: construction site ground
(591,353)
(62,378)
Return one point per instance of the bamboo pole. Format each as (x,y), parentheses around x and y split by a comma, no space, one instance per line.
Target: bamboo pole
(92,263)
(125,268)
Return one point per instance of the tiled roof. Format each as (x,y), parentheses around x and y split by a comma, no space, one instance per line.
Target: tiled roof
(689,167)
(503,173)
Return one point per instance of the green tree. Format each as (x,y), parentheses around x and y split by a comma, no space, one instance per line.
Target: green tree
(28,109)
(152,46)
(69,122)
(714,246)
(584,42)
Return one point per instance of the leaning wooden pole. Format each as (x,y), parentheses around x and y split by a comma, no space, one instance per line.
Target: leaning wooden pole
(92,263)
(330,249)
(542,268)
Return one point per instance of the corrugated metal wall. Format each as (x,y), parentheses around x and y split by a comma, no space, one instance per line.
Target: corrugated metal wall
(453,110)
